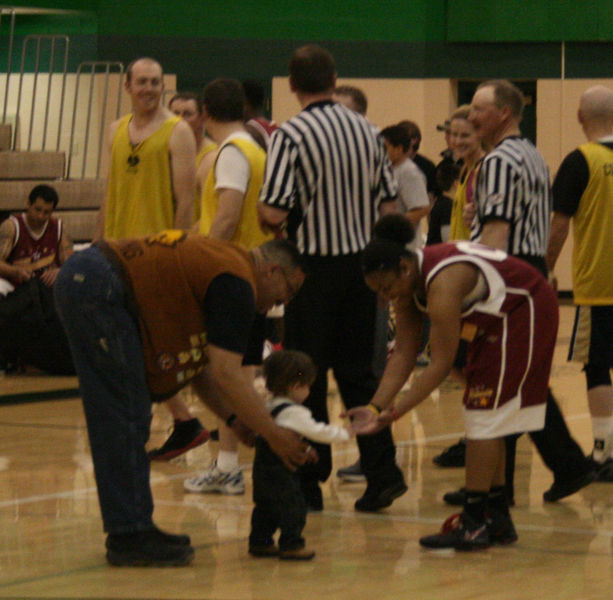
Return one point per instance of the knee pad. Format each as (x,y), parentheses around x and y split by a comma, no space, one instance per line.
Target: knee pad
(596,375)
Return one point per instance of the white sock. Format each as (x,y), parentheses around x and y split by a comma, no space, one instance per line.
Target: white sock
(227,461)
(602,428)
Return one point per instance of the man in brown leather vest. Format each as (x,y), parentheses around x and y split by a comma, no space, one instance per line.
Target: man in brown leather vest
(144,318)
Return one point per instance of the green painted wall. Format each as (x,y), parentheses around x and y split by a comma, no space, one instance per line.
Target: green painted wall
(529,20)
(387,20)
(465,39)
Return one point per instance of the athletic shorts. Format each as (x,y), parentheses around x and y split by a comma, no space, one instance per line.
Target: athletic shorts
(508,366)
(592,338)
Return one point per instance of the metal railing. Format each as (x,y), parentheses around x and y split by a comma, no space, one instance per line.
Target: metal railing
(43,122)
(38,39)
(93,68)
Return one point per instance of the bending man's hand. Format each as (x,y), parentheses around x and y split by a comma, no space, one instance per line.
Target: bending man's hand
(365,422)
(289,446)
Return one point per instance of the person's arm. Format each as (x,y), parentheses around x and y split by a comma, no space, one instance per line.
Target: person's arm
(272,219)
(300,420)
(65,251)
(228,214)
(7,238)
(445,296)
(279,192)
(232,175)
(568,188)
(415,215)
(208,160)
(560,225)
(495,234)
(389,207)
(236,396)
(182,148)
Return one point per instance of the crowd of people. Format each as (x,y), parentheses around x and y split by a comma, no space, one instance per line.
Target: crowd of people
(214,215)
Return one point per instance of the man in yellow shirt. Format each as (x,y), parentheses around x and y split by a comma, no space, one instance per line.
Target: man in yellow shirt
(152,155)
(229,212)
(583,192)
(151,187)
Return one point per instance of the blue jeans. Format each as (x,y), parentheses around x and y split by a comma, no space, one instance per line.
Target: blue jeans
(108,356)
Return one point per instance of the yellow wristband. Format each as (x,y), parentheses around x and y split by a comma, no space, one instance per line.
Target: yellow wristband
(374,408)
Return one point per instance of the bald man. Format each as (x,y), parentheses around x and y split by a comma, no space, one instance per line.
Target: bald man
(583,193)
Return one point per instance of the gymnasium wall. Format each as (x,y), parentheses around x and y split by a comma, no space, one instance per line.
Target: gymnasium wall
(408,57)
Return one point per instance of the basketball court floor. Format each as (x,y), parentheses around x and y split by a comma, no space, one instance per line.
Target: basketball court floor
(52,544)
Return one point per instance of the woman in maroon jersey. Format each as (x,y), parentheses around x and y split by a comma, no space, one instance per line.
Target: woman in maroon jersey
(501,306)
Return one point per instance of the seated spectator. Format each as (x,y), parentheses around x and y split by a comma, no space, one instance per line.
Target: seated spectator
(33,246)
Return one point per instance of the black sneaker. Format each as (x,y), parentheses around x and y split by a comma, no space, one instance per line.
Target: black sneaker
(454,456)
(376,498)
(185,436)
(264,550)
(457,498)
(459,532)
(501,529)
(152,548)
(352,474)
(561,489)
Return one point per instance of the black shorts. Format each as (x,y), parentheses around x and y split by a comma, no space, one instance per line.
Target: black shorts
(592,337)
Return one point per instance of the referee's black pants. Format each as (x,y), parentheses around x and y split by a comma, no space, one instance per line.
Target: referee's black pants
(332,319)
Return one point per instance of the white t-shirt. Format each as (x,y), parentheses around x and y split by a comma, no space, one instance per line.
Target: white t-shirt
(232,170)
(412,192)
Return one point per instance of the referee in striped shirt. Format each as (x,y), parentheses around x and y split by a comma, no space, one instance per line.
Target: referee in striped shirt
(327,181)
(513,211)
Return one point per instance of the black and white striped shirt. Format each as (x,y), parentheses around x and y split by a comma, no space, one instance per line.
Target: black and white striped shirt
(514,186)
(329,168)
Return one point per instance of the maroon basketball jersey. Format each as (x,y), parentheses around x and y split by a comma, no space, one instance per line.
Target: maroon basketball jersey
(511,329)
(36,252)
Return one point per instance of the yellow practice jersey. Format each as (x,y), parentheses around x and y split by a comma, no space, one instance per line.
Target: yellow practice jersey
(466,186)
(593,230)
(248,232)
(140,198)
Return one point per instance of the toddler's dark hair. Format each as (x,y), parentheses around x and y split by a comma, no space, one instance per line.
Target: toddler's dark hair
(286,368)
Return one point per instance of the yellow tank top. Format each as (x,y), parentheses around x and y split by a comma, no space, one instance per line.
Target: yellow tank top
(206,149)
(209,147)
(466,186)
(593,230)
(139,196)
(248,233)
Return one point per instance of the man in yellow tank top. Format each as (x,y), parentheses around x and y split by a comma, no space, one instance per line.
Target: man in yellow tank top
(188,106)
(229,212)
(152,156)
(150,187)
(583,192)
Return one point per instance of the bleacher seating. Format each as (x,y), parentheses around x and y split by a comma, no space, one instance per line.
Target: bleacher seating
(21,171)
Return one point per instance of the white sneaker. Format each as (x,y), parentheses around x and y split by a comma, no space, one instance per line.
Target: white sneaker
(214,480)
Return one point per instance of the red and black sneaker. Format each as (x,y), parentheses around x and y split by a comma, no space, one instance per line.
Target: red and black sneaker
(459,532)
(185,436)
(501,528)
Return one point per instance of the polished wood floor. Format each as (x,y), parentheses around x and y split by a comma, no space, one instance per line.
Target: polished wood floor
(52,544)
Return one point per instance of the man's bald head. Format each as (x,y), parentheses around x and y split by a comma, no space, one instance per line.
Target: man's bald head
(596,106)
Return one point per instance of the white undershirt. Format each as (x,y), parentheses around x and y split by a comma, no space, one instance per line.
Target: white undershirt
(232,170)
